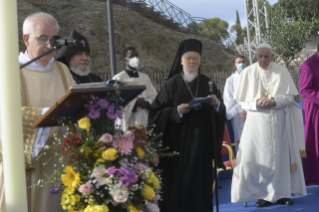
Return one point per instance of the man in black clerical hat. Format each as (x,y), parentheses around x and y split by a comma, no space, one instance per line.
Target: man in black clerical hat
(78,59)
(194,131)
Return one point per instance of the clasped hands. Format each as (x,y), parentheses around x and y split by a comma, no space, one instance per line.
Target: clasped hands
(141,102)
(266,103)
(185,108)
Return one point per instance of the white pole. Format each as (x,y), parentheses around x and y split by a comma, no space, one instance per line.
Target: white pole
(248,33)
(10,105)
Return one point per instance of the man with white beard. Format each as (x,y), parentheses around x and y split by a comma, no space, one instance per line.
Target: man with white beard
(136,112)
(192,131)
(78,59)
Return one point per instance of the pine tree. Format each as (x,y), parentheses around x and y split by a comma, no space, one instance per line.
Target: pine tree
(239,32)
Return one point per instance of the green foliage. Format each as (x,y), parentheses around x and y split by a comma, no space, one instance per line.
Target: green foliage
(288,34)
(22,46)
(98,23)
(237,28)
(214,28)
(193,27)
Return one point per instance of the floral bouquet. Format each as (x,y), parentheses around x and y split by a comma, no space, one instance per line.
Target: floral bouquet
(107,169)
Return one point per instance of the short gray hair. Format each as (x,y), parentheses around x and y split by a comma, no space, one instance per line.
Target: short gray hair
(31,21)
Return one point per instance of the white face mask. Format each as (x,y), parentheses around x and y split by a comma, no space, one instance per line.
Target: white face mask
(134,62)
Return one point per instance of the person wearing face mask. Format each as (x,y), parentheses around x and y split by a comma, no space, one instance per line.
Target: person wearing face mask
(234,112)
(78,59)
(136,112)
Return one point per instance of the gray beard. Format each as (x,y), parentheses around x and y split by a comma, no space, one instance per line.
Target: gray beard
(78,71)
(190,77)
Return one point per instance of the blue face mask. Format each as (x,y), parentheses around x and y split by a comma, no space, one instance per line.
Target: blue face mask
(241,66)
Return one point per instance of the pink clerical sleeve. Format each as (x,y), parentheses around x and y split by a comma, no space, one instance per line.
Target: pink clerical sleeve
(307,89)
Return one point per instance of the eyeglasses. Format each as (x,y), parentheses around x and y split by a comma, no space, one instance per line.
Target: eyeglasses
(41,39)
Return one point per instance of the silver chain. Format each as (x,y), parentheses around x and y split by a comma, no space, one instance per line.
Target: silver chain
(189,88)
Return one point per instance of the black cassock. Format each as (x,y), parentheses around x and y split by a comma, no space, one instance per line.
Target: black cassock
(86,79)
(188,177)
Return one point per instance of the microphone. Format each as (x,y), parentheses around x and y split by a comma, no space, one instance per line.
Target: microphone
(57,41)
(211,87)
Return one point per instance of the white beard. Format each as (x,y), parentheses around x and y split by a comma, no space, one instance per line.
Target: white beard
(79,71)
(190,77)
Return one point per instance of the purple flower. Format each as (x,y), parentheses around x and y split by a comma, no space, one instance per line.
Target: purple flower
(111,108)
(94,114)
(56,189)
(103,103)
(119,114)
(118,133)
(92,105)
(112,170)
(125,181)
(111,115)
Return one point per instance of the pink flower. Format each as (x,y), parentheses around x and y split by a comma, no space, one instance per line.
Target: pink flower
(129,136)
(152,207)
(106,138)
(86,188)
(123,145)
(140,167)
(155,159)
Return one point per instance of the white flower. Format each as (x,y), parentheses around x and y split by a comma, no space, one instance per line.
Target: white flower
(120,196)
(157,197)
(106,138)
(152,207)
(98,173)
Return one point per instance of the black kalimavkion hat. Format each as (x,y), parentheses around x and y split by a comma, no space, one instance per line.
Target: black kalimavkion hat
(81,45)
(190,45)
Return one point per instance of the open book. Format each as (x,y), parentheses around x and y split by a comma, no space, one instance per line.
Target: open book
(198,100)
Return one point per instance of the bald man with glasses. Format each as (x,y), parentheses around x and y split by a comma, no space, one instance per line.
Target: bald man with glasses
(43,82)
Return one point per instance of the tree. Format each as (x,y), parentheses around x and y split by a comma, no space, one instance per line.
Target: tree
(237,28)
(214,28)
(193,27)
(288,34)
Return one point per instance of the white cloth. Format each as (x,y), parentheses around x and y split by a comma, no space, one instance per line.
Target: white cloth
(149,94)
(271,138)
(24,58)
(233,107)
(42,134)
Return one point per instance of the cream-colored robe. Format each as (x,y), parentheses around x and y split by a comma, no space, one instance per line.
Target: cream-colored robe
(268,164)
(40,89)
(233,107)
(149,94)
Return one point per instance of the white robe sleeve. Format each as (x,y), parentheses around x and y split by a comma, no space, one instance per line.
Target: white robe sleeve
(232,106)
(283,101)
(252,106)
(151,92)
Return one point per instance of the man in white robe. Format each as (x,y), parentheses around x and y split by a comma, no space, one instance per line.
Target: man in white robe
(268,165)
(234,112)
(42,83)
(136,112)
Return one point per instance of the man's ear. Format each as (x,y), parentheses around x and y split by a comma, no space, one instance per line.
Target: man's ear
(25,38)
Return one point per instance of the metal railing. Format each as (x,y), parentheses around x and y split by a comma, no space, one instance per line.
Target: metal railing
(197,25)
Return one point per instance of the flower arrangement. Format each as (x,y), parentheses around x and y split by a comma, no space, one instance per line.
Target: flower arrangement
(107,169)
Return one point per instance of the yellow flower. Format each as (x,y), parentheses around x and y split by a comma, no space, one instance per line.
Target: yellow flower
(71,178)
(131,208)
(72,200)
(155,182)
(140,152)
(65,200)
(96,208)
(149,177)
(84,123)
(148,192)
(110,154)
(98,161)
(77,198)
(68,191)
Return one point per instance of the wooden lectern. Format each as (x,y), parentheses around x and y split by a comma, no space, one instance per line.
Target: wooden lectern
(71,104)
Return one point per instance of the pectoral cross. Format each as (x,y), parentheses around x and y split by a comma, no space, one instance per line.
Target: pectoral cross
(83,42)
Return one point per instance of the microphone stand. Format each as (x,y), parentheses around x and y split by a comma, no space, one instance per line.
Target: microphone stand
(211,90)
(42,55)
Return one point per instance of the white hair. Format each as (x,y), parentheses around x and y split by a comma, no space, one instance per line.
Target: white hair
(30,22)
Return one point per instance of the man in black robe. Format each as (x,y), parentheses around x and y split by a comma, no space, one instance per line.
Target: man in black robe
(194,132)
(78,59)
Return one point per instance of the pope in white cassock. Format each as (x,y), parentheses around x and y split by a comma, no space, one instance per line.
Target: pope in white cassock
(42,83)
(268,165)
(234,112)
(136,112)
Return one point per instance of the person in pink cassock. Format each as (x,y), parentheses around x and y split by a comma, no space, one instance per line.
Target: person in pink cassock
(309,90)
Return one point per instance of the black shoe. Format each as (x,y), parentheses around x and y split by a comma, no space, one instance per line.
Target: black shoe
(262,203)
(285,201)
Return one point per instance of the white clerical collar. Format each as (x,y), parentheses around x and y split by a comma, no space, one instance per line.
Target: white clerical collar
(24,58)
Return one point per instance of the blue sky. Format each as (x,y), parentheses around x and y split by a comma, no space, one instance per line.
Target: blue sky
(223,9)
